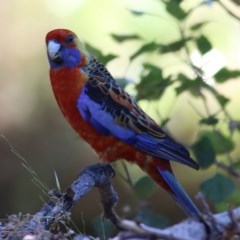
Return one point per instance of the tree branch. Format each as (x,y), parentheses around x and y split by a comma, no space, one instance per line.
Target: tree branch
(56,212)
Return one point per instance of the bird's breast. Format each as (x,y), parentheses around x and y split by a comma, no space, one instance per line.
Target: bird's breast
(67,85)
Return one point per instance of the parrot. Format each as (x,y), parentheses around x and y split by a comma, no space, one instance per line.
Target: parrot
(105,116)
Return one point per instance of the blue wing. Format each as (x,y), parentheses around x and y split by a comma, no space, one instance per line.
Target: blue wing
(111,111)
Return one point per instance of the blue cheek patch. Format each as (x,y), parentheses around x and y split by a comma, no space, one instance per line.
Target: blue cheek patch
(70,58)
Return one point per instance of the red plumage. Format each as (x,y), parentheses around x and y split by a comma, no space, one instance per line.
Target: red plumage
(69,74)
(108,148)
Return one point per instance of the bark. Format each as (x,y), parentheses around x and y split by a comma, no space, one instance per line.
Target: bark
(43,224)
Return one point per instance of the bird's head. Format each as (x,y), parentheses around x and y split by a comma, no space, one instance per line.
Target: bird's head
(64,49)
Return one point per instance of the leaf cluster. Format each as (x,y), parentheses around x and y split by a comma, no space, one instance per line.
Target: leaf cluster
(215,143)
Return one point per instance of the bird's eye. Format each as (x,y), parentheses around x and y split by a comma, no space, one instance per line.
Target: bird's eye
(69,39)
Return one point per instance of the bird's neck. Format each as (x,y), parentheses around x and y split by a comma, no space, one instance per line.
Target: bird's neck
(67,85)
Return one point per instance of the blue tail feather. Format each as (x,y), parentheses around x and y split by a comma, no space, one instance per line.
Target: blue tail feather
(179,195)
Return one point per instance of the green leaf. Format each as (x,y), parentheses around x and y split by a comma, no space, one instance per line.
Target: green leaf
(204,152)
(103,228)
(203,44)
(104,59)
(197,26)
(222,99)
(211,120)
(144,187)
(148,217)
(218,188)
(137,12)
(235,197)
(221,207)
(122,38)
(94,51)
(174,46)
(174,9)
(165,121)
(152,84)
(221,143)
(189,85)
(107,58)
(225,74)
(149,47)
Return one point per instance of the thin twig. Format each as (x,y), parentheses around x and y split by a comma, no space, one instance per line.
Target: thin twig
(228,10)
(232,171)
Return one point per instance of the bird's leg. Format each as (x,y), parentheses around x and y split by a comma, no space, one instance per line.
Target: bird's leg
(109,198)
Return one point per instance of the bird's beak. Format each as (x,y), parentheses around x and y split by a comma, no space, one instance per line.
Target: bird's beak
(53,49)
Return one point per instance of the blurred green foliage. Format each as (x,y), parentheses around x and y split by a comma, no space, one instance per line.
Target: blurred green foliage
(215,142)
(167,54)
(144,187)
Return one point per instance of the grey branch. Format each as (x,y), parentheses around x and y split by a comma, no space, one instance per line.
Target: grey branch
(54,211)
(224,226)
(99,176)
(220,226)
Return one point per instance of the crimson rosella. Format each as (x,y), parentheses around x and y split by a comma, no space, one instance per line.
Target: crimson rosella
(106,117)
